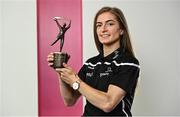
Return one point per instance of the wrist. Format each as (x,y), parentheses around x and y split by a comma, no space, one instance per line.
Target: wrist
(76,84)
(63,83)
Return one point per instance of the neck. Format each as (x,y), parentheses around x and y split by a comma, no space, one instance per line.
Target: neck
(108,49)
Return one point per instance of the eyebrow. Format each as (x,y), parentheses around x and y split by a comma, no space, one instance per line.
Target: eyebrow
(106,21)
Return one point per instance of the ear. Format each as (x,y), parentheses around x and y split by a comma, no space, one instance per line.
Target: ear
(121,31)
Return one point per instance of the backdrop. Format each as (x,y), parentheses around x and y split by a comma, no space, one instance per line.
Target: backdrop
(50,101)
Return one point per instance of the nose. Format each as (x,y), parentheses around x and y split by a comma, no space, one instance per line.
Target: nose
(104,28)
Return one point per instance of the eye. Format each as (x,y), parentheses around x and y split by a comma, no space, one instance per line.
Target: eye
(98,25)
(110,24)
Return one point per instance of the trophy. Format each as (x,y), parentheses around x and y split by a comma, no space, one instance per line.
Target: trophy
(61,57)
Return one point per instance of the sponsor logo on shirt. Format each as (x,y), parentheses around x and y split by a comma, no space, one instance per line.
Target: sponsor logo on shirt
(104,74)
(89,74)
(108,69)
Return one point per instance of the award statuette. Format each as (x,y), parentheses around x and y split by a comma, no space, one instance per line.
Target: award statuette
(60,57)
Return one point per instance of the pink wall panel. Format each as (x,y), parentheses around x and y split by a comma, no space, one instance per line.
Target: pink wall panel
(50,101)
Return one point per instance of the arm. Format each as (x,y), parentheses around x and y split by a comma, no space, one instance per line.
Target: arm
(69,95)
(69,25)
(59,26)
(106,101)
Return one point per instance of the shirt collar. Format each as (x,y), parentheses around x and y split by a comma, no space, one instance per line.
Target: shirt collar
(112,56)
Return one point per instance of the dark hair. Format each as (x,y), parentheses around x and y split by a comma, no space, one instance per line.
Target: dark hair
(124,40)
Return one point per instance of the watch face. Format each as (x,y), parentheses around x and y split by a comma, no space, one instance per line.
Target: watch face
(75,86)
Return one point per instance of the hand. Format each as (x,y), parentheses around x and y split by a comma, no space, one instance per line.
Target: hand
(67,74)
(50,59)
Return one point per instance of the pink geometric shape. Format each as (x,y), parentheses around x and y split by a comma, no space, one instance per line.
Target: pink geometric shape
(50,102)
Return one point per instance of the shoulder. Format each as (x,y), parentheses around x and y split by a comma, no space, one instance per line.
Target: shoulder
(93,59)
(126,60)
(130,59)
(90,63)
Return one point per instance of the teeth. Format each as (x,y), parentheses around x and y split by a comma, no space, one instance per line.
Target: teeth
(104,35)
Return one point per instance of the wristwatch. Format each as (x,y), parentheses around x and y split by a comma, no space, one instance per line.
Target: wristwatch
(76,85)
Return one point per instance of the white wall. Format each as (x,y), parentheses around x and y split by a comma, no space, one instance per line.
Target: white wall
(179,53)
(18,58)
(154,26)
(0,59)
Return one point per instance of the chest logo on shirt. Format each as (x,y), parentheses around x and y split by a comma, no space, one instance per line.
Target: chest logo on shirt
(108,70)
(89,74)
(106,73)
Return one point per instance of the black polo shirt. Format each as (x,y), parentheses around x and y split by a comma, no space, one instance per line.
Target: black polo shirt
(116,69)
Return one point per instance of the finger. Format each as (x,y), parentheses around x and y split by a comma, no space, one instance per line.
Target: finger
(51,53)
(60,70)
(50,64)
(50,56)
(67,66)
(61,75)
(69,69)
(50,59)
(63,71)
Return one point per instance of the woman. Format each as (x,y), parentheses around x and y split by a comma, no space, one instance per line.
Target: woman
(108,80)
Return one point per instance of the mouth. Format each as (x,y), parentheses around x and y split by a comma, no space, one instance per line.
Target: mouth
(104,35)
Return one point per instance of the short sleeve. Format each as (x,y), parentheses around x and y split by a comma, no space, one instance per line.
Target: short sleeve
(125,77)
(82,73)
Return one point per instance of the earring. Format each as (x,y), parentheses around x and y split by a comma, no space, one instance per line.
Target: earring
(122,32)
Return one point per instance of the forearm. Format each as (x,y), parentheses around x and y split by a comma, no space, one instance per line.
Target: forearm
(98,98)
(68,94)
(105,101)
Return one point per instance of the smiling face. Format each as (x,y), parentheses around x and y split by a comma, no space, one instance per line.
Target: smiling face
(108,29)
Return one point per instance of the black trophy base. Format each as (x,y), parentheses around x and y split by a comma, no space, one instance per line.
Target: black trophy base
(59,59)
